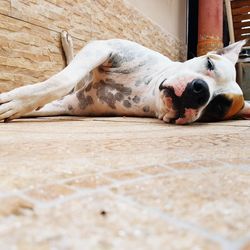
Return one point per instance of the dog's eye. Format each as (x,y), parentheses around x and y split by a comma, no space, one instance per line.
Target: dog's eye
(210,64)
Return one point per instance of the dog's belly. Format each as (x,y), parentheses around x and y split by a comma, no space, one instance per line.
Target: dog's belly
(114,95)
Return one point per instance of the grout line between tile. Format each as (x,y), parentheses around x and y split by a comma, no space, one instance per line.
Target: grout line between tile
(85,192)
(172,171)
(225,243)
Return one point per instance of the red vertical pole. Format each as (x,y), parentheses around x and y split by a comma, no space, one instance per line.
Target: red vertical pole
(210,26)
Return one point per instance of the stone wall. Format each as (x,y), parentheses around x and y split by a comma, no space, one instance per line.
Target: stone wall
(30,49)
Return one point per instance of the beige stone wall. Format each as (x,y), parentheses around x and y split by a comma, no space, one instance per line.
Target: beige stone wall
(30,49)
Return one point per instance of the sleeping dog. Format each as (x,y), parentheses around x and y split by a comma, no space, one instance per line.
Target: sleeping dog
(122,78)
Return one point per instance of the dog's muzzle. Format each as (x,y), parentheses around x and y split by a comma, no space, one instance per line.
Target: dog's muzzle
(195,95)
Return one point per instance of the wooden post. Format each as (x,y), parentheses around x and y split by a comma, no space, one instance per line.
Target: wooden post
(210,26)
(230,20)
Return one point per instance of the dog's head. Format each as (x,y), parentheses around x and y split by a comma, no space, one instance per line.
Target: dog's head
(204,89)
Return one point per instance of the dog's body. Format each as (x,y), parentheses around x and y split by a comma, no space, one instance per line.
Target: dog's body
(122,78)
(123,85)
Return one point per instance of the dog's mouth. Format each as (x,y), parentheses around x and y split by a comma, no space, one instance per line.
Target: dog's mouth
(172,101)
(183,103)
(177,113)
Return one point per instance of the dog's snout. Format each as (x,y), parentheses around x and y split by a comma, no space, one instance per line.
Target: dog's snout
(196,94)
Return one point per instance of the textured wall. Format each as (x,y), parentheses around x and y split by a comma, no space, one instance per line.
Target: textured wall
(30,49)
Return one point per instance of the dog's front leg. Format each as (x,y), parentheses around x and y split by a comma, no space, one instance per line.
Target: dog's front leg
(23,100)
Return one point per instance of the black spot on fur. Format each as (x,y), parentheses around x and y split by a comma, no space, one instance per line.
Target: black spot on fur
(84,100)
(89,87)
(146,80)
(136,99)
(116,60)
(119,96)
(70,107)
(126,104)
(111,92)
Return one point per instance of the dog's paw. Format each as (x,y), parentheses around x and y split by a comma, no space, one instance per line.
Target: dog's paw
(67,41)
(17,102)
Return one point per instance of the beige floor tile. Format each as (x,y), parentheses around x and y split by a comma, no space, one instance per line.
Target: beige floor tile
(89,182)
(50,192)
(80,224)
(120,175)
(217,199)
(154,170)
(195,164)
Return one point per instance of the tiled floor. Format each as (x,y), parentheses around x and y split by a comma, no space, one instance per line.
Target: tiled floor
(124,183)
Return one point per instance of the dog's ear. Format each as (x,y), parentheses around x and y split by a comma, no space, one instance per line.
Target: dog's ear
(232,51)
(245,111)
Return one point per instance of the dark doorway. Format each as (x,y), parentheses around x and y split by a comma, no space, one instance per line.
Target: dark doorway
(193,6)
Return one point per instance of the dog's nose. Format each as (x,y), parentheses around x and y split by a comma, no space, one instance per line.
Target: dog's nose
(199,86)
(196,94)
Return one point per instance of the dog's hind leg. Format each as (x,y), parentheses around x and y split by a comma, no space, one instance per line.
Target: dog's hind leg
(67,44)
(23,100)
(68,49)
